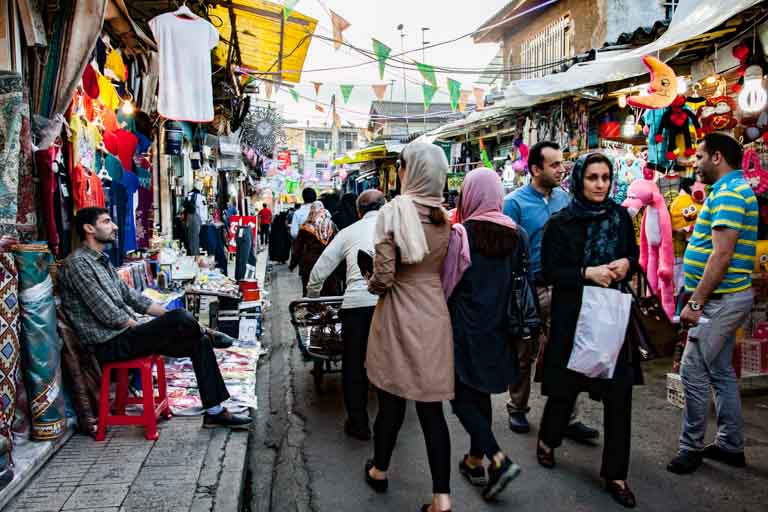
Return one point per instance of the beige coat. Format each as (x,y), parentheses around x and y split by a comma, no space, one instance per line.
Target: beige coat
(410,346)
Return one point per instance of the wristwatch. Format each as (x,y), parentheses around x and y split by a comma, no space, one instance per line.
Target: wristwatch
(695,306)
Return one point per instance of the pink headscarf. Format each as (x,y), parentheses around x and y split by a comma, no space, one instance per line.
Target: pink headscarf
(482,196)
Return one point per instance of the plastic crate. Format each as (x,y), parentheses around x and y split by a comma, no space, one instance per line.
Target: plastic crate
(675,394)
(754,356)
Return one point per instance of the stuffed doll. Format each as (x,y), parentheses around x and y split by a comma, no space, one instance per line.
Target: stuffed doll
(754,173)
(683,212)
(652,128)
(656,251)
(717,114)
(677,121)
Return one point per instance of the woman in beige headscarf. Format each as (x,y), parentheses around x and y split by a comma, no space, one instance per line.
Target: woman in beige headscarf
(410,346)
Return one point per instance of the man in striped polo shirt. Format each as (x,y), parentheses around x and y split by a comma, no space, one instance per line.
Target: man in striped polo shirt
(718,273)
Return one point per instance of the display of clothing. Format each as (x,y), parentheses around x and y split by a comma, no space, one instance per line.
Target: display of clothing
(131,183)
(186,91)
(87,189)
(122,144)
(107,93)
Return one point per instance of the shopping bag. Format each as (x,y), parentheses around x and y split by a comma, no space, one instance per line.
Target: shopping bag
(600,331)
(650,330)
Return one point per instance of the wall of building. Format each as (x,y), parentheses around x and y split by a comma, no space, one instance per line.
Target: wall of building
(627,15)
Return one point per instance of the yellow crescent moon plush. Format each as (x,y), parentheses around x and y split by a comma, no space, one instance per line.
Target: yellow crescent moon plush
(663,87)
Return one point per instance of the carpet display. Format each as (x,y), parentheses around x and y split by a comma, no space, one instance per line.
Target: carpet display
(9,346)
(12,114)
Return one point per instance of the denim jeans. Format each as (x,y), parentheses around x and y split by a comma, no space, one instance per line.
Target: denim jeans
(707,362)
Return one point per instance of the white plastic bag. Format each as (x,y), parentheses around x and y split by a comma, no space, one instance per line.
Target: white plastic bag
(600,331)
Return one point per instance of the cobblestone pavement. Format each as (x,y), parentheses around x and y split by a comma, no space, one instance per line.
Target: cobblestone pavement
(187,469)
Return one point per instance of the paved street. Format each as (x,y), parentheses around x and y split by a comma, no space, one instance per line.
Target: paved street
(301,460)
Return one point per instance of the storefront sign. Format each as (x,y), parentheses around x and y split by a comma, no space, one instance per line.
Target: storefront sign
(235,222)
(284,160)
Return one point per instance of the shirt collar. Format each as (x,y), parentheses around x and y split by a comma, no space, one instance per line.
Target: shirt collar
(370,215)
(736,173)
(98,256)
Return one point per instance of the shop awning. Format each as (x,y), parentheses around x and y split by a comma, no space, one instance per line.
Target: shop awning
(364,155)
(257,25)
(692,19)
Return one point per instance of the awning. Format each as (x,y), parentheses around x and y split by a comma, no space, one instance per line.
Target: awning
(365,155)
(257,25)
(692,19)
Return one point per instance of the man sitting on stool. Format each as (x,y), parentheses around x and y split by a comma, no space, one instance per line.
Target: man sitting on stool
(101,308)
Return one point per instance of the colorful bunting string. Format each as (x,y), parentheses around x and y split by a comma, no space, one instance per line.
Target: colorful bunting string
(317,87)
(463,100)
(380,91)
(454,90)
(479,98)
(346,91)
(288,7)
(339,26)
(295,94)
(428,72)
(429,94)
(382,52)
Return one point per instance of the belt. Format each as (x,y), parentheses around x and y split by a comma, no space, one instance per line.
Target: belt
(716,296)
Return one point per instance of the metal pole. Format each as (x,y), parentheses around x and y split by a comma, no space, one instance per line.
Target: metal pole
(405,85)
(424,61)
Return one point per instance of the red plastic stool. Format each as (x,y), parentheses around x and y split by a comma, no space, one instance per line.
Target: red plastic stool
(154,406)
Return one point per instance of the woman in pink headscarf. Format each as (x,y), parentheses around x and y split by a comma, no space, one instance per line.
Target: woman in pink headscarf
(485,252)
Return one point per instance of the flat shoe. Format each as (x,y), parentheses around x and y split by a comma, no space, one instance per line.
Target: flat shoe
(380,486)
(622,495)
(545,459)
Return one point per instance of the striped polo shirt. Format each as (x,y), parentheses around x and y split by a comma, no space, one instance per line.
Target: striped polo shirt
(731,204)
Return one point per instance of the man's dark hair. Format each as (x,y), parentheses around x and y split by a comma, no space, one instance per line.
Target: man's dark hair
(85,216)
(264,205)
(309,195)
(726,145)
(536,154)
(371,206)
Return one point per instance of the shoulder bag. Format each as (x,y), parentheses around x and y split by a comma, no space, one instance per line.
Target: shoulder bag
(649,329)
(523,307)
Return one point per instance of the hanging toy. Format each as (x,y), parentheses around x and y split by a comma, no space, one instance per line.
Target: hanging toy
(677,121)
(662,89)
(717,114)
(754,173)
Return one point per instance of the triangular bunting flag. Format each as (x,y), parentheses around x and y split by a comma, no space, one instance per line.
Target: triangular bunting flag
(313,151)
(429,93)
(454,89)
(317,87)
(268,89)
(479,98)
(288,7)
(337,120)
(319,107)
(339,26)
(382,52)
(380,90)
(346,91)
(428,72)
(463,100)
(295,94)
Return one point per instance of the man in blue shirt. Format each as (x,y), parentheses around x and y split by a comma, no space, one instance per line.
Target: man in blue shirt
(531,206)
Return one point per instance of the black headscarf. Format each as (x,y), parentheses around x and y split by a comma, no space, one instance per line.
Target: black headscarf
(603,219)
(346,214)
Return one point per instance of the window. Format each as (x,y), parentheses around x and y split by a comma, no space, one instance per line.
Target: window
(669,7)
(547,50)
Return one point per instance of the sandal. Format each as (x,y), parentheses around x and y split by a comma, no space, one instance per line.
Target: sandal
(379,486)
(545,459)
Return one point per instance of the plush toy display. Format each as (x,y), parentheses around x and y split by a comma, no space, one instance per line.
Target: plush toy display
(717,114)
(677,121)
(662,89)
(761,256)
(683,212)
(651,121)
(754,173)
(656,246)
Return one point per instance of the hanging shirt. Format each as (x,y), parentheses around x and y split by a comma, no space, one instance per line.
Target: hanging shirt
(131,183)
(107,93)
(116,65)
(87,188)
(186,91)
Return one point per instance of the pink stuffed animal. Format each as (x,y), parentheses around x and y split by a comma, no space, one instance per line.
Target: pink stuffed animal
(657,256)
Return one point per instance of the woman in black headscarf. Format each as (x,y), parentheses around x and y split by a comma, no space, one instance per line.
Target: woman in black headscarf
(346,214)
(590,243)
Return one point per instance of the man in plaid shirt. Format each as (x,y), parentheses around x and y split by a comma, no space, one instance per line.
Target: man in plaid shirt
(103,310)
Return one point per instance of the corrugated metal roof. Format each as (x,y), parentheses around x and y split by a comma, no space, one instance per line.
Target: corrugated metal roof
(641,35)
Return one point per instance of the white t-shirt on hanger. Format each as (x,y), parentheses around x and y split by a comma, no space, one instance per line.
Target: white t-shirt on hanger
(186,90)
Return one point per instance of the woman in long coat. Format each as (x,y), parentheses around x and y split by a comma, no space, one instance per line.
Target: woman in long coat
(410,346)
(314,236)
(590,243)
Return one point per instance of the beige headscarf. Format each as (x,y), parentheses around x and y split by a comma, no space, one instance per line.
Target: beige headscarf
(426,171)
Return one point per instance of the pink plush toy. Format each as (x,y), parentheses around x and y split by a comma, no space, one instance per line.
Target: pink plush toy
(656,252)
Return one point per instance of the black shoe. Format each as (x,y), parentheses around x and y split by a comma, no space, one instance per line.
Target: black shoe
(359,433)
(545,459)
(499,478)
(221,340)
(519,423)
(226,419)
(622,495)
(580,432)
(476,476)
(735,459)
(379,486)
(685,462)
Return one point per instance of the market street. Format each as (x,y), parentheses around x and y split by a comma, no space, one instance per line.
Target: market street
(299,439)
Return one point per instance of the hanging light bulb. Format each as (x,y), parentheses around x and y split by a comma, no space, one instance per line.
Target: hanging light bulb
(623,101)
(628,128)
(128,107)
(711,80)
(753,96)
(682,85)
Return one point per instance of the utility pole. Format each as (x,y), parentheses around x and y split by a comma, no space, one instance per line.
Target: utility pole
(424,43)
(334,129)
(400,27)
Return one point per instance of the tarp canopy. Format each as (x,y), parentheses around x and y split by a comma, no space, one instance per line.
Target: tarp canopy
(692,19)
(364,155)
(257,24)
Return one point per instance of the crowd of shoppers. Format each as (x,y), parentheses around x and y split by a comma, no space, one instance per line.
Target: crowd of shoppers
(432,322)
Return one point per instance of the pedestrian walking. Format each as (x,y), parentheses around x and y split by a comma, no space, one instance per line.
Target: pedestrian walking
(531,206)
(309,196)
(313,237)
(356,310)
(265,222)
(485,254)
(280,239)
(718,267)
(410,348)
(346,214)
(589,243)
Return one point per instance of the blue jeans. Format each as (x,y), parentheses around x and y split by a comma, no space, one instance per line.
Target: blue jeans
(707,362)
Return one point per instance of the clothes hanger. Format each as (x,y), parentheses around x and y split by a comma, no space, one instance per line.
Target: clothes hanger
(184,12)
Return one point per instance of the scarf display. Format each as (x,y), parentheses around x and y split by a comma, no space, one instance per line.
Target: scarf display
(12,113)
(426,170)
(482,196)
(319,223)
(603,220)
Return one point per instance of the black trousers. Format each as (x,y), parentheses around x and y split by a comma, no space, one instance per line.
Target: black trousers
(175,334)
(390,419)
(617,426)
(355,325)
(473,408)
(264,233)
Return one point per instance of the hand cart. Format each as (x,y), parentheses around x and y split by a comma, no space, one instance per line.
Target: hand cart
(318,333)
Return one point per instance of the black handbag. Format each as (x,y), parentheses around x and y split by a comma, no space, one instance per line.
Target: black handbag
(649,328)
(523,310)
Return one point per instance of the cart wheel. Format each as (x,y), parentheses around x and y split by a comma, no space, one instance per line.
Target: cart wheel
(317,372)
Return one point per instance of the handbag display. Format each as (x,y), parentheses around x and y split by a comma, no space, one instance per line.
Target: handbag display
(523,310)
(650,330)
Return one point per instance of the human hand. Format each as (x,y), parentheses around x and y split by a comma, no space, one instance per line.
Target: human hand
(620,268)
(131,323)
(690,318)
(601,275)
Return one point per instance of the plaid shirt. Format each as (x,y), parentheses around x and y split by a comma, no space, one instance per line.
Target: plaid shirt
(96,300)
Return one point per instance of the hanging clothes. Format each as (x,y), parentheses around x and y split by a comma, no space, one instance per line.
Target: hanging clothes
(131,183)
(87,188)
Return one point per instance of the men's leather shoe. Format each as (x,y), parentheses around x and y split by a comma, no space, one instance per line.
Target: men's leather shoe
(221,340)
(519,423)
(580,432)
(685,462)
(735,459)
(622,495)
(356,432)
(226,419)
